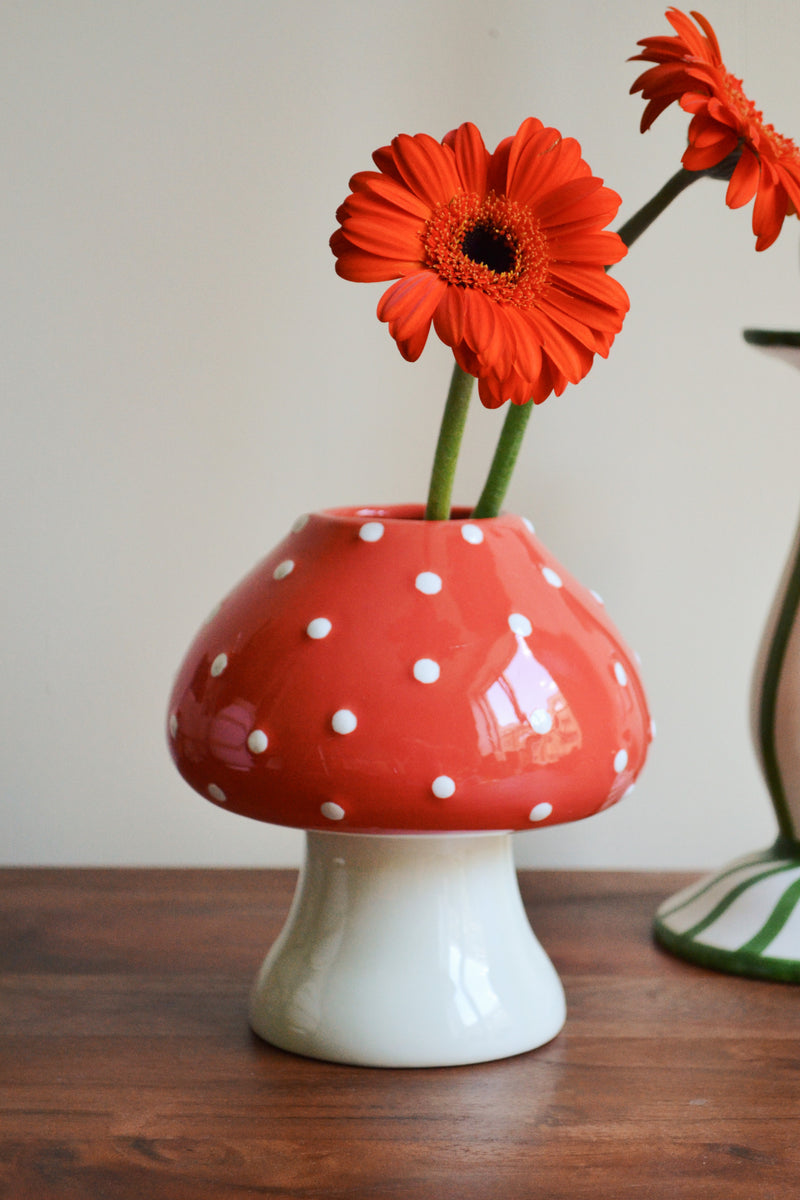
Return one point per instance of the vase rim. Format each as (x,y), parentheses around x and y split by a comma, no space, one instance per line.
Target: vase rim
(405,513)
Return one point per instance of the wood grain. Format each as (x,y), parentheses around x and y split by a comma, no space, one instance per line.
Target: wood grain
(127,1069)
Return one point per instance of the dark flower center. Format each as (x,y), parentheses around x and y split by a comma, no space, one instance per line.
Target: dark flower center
(488,243)
(490,247)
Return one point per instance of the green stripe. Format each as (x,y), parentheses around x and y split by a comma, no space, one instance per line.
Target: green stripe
(772,927)
(735,962)
(742,865)
(734,894)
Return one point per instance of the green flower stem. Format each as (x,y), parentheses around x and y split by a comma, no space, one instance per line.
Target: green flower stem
(505,457)
(643,219)
(448,445)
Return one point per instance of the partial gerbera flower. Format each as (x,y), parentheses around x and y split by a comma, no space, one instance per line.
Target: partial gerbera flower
(725,123)
(504,253)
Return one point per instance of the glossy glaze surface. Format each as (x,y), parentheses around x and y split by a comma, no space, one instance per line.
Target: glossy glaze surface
(381,673)
(407,952)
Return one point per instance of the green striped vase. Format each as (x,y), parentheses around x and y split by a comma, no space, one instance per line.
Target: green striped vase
(745,918)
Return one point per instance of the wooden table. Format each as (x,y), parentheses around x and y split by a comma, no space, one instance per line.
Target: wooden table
(127,1069)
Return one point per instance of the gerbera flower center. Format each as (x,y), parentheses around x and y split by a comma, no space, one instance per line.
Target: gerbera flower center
(489,243)
(746,110)
(491,247)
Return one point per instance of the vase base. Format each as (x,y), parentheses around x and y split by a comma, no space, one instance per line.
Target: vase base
(743,919)
(407,952)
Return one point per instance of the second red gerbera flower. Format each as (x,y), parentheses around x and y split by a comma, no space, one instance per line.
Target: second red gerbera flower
(505,254)
(689,70)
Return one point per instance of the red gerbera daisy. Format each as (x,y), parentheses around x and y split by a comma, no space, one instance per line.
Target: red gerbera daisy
(724,122)
(504,253)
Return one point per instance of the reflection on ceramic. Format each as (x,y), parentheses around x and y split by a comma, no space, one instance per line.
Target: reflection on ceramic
(407,952)
(745,918)
(378,679)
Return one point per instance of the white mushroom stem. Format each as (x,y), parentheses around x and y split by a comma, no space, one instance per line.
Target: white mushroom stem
(407,951)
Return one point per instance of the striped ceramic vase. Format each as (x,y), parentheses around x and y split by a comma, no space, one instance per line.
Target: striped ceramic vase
(745,918)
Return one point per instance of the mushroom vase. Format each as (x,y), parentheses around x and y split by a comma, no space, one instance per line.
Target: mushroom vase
(410,693)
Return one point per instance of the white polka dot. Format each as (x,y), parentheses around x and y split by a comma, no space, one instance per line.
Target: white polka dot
(620,760)
(652,730)
(428,583)
(216,793)
(528,525)
(621,674)
(173,725)
(320,627)
(300,523)
(344,721)
(372,531)
(219,664)
(443,787)
(472,534)
(519,624)
(541,720)
(257,741)
(333,812)
(283,569)
(426,670)
(597,597)
(552,577)
(628,791)
(540,812)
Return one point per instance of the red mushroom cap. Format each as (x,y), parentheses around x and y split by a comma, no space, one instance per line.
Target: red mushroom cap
(379,673)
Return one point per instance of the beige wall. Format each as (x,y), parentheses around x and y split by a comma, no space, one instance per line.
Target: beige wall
(182,374)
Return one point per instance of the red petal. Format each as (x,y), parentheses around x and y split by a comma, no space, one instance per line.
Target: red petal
(591,314)
(769,209)
(546,162)
(528,350)
(791,182)
(704,134)
(696,44)
(591,282)
(466,359)
(548,380)
(593,211)
(654,109)
(472,157)
(384,161)
(744,180)
(497,172)
(600,249)
(428,167)
(483,330)
(448,320)
(700,160)
(713,44)
(720,112)
(359,267)
(574,192)
(412,347)
(571,358)
(379,228)
(374,183)
(490,391)
(410,304)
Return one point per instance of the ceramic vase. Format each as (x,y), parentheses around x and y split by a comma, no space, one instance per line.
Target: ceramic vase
(745,918)
(410,693)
